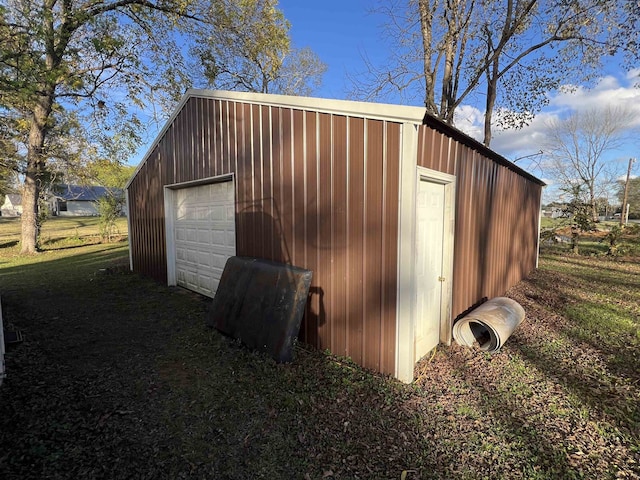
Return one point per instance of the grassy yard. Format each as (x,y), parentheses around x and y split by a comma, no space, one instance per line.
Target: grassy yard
(119,378)
(57,232)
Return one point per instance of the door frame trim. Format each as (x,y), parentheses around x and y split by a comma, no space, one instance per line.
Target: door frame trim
(406,301)
(169,218)
(449,182)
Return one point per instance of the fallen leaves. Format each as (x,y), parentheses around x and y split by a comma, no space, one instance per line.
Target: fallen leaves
(143,390)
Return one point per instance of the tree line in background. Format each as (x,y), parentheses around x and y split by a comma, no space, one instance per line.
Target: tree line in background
(633,199)
(78,76)
(576,150)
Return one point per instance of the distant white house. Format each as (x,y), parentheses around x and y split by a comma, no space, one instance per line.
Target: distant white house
(12,206)
(77,200)
(552,212)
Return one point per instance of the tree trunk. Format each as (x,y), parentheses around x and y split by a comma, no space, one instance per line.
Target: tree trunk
(29,219)
(593,203)
(450,47)
(426,20)
(492,83)
(35,169)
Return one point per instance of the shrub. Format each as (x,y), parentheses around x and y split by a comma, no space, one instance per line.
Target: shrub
(109,208)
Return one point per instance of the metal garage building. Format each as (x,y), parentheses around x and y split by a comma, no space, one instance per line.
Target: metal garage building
(405,221)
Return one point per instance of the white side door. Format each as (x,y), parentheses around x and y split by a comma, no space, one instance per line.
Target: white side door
(430,213)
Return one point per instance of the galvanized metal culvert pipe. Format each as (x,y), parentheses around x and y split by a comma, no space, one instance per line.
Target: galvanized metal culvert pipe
(489,325)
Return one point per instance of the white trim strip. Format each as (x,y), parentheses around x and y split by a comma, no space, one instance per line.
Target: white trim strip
(406,291)
(378,111)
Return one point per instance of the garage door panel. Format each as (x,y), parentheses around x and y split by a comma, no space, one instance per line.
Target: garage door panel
(231,239)
(204,237)
(204,234)
(218,261)
(204,259)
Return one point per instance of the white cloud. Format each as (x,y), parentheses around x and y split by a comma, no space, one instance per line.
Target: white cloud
(514,144)
(470,120)
(608,92)
(633,75)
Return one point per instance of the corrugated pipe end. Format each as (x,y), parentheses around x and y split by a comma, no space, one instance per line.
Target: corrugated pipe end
(489,325)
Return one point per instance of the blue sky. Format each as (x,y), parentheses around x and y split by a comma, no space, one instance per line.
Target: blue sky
(339,32)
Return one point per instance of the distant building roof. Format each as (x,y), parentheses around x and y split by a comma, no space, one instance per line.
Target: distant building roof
(15,198)
(88,193)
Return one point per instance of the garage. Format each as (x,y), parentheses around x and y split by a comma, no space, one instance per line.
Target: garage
(202,236)
(406,222)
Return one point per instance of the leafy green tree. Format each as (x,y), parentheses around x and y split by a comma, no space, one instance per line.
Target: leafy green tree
(579,213)
(96,59)
(633,197)
(9,158)
(110,174)
(247,47)
(109,208)
(113,175)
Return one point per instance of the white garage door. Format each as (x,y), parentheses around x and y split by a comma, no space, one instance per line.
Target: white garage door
(204,235)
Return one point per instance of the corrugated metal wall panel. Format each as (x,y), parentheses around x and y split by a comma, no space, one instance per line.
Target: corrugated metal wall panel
(373,304)
(147,220)
(391,185)
(338,297)
(299,194)
(497,215)
(313,189)
(315,303)
(324,239)
(355,237)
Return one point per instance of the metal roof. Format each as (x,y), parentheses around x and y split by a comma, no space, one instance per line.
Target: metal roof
(15,198)
(87,193)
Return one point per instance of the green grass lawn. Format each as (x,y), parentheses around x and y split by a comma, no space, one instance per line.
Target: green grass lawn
(119,378)
(57,232)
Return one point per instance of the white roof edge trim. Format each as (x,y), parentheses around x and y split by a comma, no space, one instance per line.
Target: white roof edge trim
(349,108)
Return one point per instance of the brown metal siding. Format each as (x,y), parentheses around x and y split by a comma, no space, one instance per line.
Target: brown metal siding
(497,215)
(390,185)
(312,189)
(146,218)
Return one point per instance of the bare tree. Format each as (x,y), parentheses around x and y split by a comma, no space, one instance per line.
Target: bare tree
(510,52)
(577,148)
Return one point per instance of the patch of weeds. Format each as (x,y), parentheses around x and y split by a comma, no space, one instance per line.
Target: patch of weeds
(558,410)
(468,411)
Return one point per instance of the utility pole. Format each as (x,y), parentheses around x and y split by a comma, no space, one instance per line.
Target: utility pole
(623,217)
